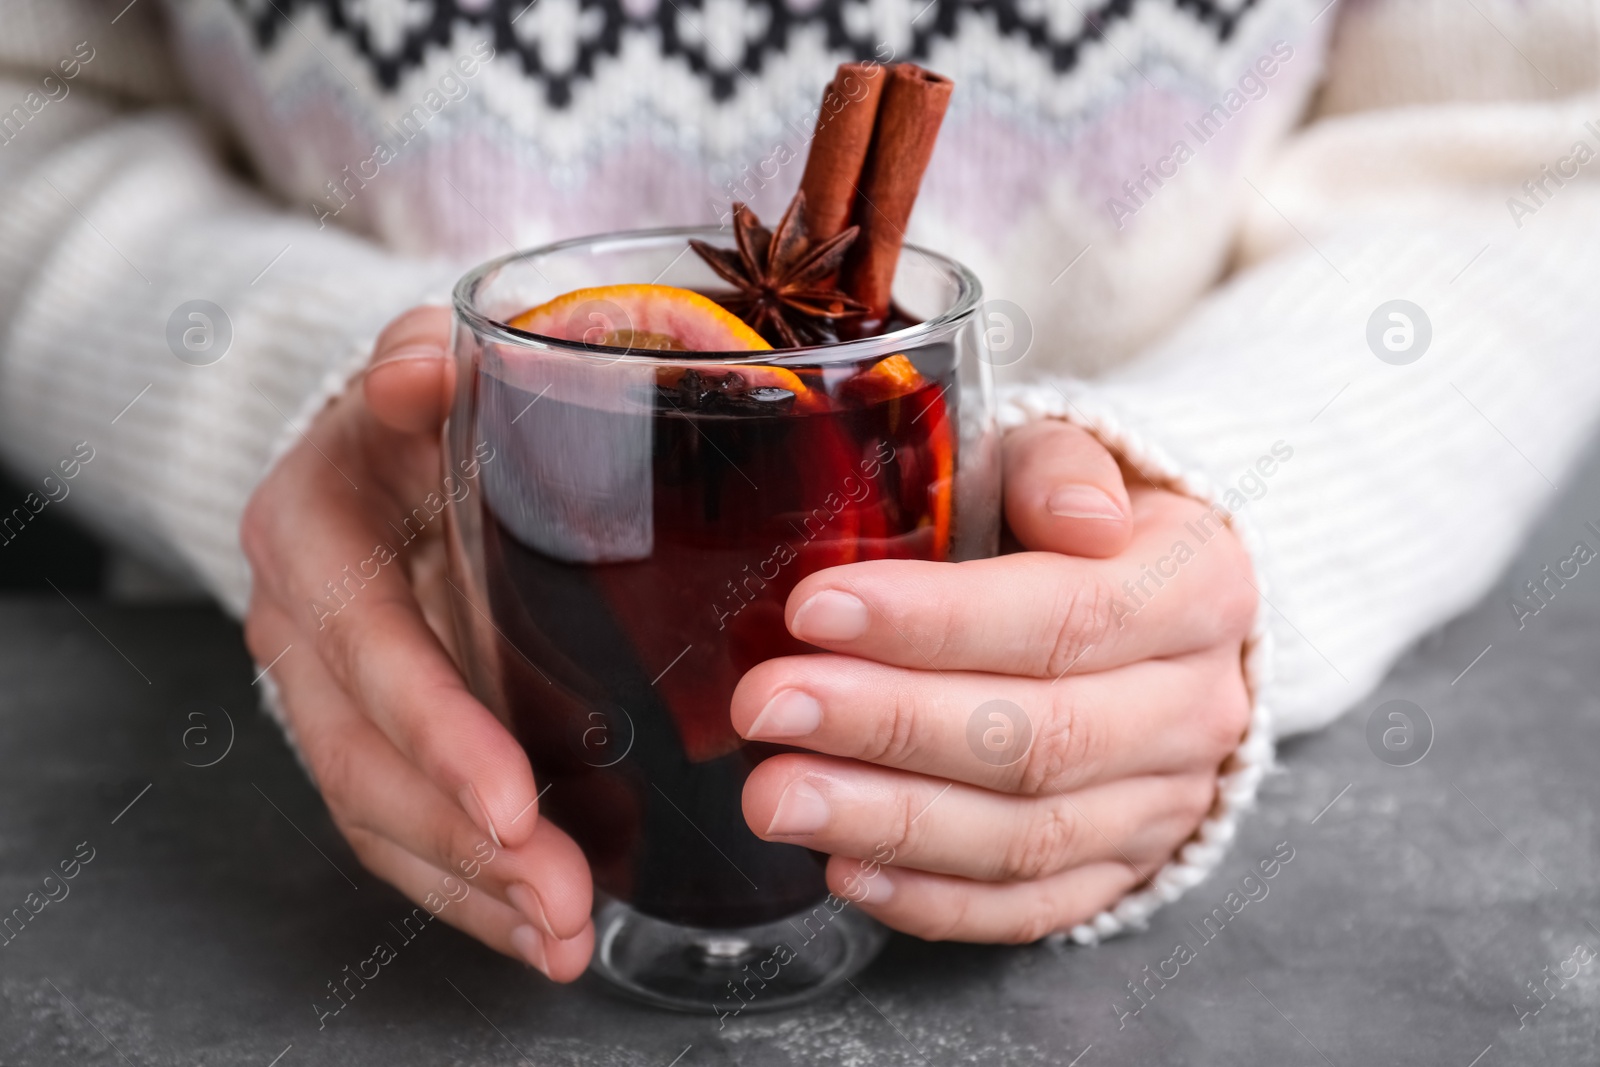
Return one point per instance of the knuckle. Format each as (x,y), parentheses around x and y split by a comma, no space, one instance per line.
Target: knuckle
(333,768)
(1046,844)
(952,921)
(450,843)
(1037,921)
(1195,799)
(1236,599)
(358,641)
(939,632)
(1228,712)
(429,740)
(333,632)
(899,832)
(1064,747)
(1084,615)
(894,734)
(340,648)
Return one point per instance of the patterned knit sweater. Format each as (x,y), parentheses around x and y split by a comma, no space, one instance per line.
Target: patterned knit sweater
(1206,208)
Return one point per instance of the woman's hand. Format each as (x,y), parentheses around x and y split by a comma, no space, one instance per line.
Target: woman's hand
(430,790)
(1018,741)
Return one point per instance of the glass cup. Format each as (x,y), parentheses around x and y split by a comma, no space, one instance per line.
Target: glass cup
(630,525)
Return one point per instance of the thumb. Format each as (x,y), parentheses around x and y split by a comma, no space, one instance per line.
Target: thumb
(1064,491)
(409,383)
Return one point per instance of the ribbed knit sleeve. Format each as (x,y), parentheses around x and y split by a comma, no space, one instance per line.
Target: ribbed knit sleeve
(110,222)
(1381,487)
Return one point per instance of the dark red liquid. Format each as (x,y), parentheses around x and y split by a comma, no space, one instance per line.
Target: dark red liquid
(620,685)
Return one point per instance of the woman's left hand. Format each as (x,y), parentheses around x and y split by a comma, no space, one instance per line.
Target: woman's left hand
(1007,746)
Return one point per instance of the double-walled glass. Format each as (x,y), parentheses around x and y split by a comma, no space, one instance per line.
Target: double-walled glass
(638,521)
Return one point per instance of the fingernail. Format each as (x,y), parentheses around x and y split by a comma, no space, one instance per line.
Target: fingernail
(789,714)
(477,811)
(801,810)
(411,352)
(1082,502)
(525,899)
(831,616)
(530,946)
(880,887)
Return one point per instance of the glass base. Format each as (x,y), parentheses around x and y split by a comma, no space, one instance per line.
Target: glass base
(729,972)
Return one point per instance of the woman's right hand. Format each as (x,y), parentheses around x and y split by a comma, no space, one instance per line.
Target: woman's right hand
(433,794)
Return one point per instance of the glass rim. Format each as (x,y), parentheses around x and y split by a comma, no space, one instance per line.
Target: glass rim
(969,291)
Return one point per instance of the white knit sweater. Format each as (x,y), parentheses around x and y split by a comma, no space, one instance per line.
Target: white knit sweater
(1378,498)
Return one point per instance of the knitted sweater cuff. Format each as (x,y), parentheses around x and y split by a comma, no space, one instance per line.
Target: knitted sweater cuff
(1239,778)
(342,372)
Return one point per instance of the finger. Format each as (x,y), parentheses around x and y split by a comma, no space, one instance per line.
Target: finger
(1064,491)
(546,877)
(1181,586)
(941,907)
(332,551)
(847,808)
(408,384)
(409,688)
(370,787)
(442,895)
(1015,735)
(360,615)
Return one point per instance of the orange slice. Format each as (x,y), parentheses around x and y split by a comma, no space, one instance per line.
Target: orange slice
(886,380)
(656,317)
(894,378)
(666,319)
(776,377)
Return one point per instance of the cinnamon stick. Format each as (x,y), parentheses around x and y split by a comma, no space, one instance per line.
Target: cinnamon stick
(909,115)
(839,147)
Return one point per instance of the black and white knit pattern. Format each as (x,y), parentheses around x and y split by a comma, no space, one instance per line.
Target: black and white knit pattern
(722,41)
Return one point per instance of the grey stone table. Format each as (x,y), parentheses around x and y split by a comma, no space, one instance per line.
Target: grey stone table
(1419,904)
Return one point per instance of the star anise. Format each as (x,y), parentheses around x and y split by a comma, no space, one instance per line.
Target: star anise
(779,277)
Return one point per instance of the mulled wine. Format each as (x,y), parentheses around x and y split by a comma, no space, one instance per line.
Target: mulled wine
(653,571)
(654,480)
